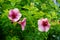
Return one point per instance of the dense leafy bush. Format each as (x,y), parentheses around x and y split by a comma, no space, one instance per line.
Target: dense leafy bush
(32,10)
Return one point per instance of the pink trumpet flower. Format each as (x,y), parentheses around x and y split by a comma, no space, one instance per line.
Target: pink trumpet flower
(43,25)
(22,23)
(14,15)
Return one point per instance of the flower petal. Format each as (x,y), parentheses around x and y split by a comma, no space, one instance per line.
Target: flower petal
(39,23)
(41,28)
(10,13)
(47,28)
(23,23)
(16,10)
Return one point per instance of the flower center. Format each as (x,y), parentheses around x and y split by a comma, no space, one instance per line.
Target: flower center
(45,23)
(13,15)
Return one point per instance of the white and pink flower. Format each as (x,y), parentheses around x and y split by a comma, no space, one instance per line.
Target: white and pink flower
(22,23)
(14,15)
(43,25)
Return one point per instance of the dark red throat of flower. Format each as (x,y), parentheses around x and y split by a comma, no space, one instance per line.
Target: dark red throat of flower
(23,22)
(13,15)
(45,23)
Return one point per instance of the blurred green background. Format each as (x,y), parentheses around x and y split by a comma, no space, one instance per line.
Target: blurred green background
(32,10)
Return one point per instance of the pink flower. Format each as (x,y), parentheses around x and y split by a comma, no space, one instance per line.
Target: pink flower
(43,25)
(14,15)
(22,23)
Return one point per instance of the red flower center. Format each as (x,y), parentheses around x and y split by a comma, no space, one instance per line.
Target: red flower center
(13,15)
(45,23)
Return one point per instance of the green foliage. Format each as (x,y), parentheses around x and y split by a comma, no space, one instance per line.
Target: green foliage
(32,10)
